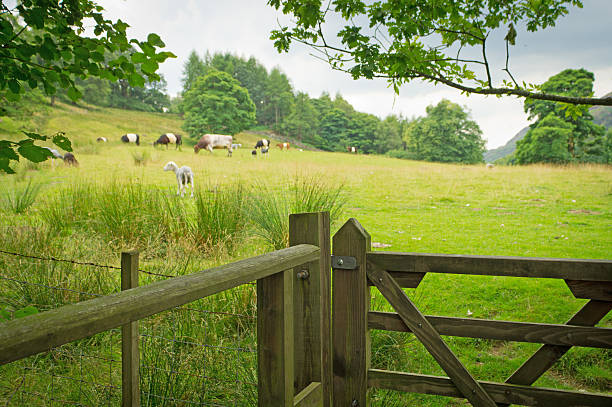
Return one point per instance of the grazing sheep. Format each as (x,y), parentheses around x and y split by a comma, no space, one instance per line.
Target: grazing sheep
(236,146)
(69,159)
(184,176)
(101,140)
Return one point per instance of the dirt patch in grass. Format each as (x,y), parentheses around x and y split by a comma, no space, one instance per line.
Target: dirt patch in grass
(584,211)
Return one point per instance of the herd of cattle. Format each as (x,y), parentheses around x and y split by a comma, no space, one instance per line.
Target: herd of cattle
(207,142)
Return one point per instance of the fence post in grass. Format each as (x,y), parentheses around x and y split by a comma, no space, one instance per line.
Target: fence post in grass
(312,305)
(275,340)
(351,303)
(130,357)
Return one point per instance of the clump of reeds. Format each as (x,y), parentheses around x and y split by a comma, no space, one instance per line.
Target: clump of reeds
(269,208)
(19,199)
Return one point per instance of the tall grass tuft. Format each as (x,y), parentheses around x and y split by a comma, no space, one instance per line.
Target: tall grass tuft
(18,200)
(219,217)
(141,158)
(269,209)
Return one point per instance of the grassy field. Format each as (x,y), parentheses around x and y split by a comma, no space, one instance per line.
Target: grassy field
(120,198)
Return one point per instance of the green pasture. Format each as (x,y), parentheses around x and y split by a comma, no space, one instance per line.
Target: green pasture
(119,197)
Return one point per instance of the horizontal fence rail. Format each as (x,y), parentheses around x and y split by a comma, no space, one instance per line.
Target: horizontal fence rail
(571,269)
(551,334)
(41,332)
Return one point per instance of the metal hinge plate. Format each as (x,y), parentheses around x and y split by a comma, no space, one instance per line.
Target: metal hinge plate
(344,262)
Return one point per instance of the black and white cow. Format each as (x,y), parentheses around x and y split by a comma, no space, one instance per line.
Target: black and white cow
(262,143)
(101,140)
(131,138)
(169,138)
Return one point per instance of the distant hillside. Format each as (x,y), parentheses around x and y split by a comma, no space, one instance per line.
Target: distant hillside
(507,149)
(602,115)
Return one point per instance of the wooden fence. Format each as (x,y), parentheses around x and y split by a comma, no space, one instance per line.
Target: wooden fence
(390,272)
(304,322)
(293,318)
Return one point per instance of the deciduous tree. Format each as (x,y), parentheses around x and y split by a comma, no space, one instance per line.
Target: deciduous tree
(217,104)
(47,44)
(442,41)
(446,134)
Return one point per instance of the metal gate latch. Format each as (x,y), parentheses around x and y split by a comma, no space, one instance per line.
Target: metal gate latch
(344,262)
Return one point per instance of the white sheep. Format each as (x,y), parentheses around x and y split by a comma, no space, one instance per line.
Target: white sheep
(184,176)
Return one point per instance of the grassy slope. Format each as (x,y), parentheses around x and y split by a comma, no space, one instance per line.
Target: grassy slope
(536,211)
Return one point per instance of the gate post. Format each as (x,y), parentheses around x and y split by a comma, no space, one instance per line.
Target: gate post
(275,340)
(351,303)
(312,305)
(130,356)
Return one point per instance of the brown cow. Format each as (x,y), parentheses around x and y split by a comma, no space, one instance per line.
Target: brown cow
(282,146)
(352,150)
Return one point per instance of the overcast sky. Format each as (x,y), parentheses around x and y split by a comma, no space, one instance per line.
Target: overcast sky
(582,39)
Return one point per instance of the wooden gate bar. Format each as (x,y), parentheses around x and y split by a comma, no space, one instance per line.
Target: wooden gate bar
(551,334)
(590,314)
(430,338)
(311,396)
(571,269)
(500,392)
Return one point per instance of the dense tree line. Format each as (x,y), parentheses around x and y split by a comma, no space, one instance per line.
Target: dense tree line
(327,123)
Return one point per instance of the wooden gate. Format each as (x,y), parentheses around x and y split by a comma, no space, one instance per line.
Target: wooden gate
(355,269)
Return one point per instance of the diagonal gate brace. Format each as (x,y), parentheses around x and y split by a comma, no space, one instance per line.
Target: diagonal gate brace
(430,338)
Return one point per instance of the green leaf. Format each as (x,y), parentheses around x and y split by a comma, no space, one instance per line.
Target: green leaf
(4,166)
(37,17)
(149,67)
(32,152)
(27,311)
(8,153)
(138,58)
(155,40)
(62,141)
(34,136)
(162,56)
(74,94)
(14,86)
(136,80)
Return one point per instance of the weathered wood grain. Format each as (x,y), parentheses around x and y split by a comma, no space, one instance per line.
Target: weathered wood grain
(552,334)
(590,314)
(501,393)
(592,290)
(312,305)
(350,303)
(405,280)
(430,338)
(572,269)
(40,332)
(130,355)
(311,396)
(275,340)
